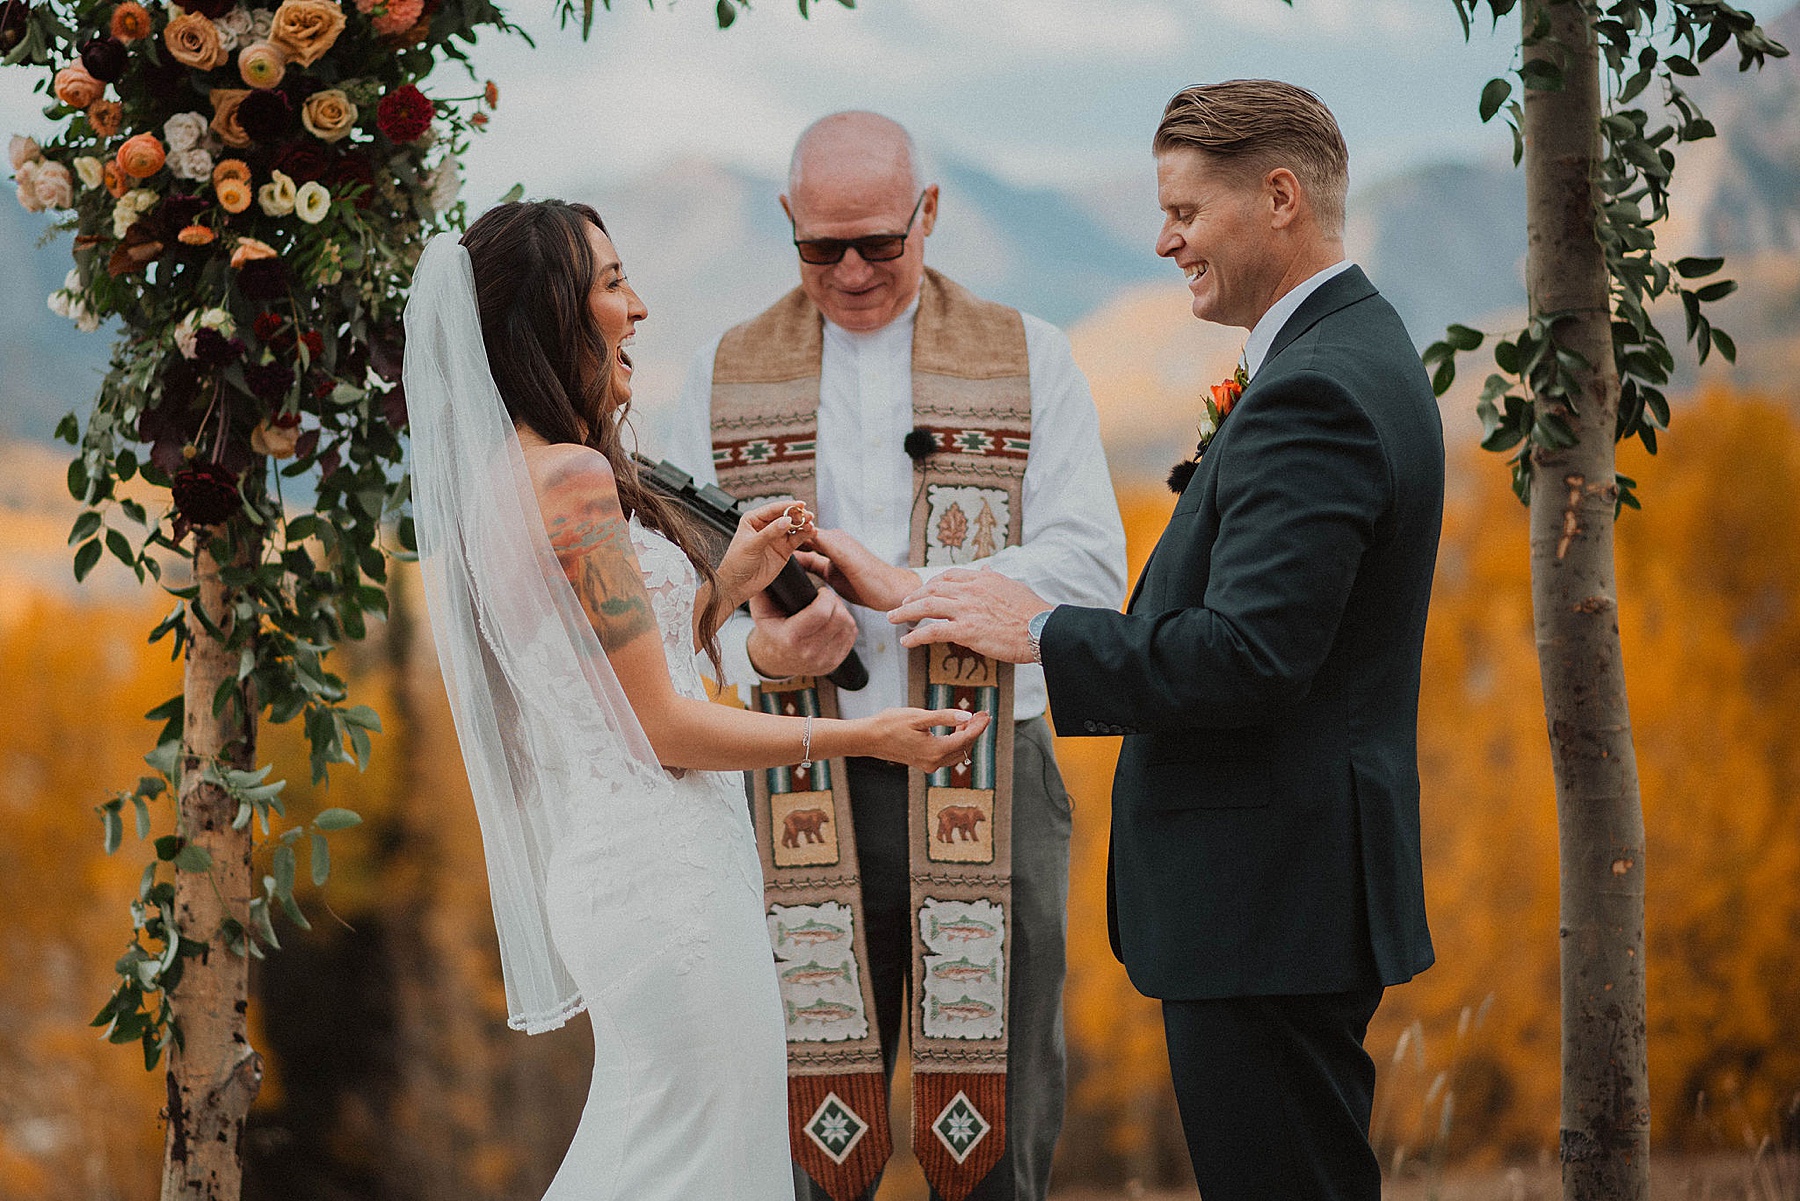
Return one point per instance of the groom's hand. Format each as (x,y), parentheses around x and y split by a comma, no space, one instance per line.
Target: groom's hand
(983,610)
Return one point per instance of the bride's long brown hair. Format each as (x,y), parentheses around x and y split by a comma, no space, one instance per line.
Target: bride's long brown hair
(534,271)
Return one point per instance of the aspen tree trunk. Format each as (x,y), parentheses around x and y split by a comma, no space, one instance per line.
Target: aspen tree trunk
(1605,1137)
(213,1073)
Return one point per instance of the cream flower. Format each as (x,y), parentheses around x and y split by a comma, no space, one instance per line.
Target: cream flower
(261,21)
(312,202)
(329,115)
(277,196)
(91,171)
(443,185)
(235,28)
(28,197)
(55,186)
(183,131)
(196,162)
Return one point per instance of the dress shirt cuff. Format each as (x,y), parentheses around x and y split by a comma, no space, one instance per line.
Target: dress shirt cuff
(734,650)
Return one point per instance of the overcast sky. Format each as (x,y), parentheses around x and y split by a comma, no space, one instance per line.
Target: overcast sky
(1059,92)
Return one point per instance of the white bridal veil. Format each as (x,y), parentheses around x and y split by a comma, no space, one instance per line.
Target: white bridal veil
(546,732)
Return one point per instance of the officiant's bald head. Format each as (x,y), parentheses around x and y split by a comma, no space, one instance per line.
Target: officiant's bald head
(855,192)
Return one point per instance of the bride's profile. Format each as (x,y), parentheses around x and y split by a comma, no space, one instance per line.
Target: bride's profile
(569,603)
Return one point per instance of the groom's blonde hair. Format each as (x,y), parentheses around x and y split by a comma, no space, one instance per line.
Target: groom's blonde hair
(1258,125)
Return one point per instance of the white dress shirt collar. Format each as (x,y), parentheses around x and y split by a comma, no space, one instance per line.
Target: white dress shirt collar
(899,326)
(1256,347)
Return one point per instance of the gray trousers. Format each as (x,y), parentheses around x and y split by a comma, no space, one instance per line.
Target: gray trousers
(1035,1058)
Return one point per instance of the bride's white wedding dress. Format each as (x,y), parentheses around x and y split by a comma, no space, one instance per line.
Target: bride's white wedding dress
(616,888)
(656,909)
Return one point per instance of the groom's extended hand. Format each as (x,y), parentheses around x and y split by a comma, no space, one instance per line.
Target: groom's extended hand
(983,610)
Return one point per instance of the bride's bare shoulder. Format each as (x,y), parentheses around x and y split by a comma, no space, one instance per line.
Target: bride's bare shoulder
(563,470)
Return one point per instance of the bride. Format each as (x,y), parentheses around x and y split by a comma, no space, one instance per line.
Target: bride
(569,603)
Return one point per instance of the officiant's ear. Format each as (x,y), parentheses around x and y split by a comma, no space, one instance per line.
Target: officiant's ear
(1286,199)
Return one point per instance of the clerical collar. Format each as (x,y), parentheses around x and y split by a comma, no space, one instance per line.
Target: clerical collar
(1256,347)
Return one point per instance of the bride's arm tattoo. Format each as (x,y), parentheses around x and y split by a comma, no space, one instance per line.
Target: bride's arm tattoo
(593,544)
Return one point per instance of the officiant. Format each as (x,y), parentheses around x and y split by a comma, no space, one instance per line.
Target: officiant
(929,429)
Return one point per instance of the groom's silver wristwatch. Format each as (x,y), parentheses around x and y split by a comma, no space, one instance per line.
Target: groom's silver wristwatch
(1034,629)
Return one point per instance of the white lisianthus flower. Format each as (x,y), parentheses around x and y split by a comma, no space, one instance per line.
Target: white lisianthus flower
(277,196)
(196,162)
(261,22)
(1209,424)
(91,170)
(312,202)
(184,131)
(235,29)
(59,302)
(185,329)
(72,281)
(85,321)
(217,319)
(444,185)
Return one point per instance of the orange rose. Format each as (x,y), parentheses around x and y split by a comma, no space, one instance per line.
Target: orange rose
(492,94)
(117,183)
(230,168)
(142,156)
(196,235)
(193,41)
(130,21)
(329,115)
(76,88)
(306,29)
(225,103)
(234,194)
(1225,396)
(106,117)
(249,250)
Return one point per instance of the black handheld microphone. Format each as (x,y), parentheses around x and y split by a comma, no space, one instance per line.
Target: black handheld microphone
(792,590)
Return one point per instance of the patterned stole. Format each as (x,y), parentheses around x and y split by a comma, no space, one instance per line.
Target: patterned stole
(971,391)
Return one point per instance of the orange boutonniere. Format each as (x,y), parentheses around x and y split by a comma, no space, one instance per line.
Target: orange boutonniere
(1213,410)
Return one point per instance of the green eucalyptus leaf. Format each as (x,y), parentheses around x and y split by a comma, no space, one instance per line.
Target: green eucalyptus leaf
(337,819)
(193,858)
(1493,96)
(321,859)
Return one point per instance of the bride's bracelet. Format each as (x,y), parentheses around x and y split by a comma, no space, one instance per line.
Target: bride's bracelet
(806,745)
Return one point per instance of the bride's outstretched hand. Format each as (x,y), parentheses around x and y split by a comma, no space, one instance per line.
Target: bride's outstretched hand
(766,536)
(905,736)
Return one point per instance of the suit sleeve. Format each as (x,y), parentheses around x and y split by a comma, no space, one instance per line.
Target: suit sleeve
(1300,493)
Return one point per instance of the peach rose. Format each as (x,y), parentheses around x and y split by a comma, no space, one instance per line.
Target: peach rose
(234,194)
(76,88)
(248,250)
(55,186)
(306,29)
(262,64)
(22,150)
(275,438)
(231,168)
(106,117)
(130,21)
(225,103)
(142,156)
(329,115)
(114,178)
(196,235)
(193,41)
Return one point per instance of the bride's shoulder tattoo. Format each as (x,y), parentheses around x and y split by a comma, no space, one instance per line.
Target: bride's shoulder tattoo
(592,541)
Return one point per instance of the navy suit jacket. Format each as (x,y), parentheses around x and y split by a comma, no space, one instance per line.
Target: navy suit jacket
(1265,817)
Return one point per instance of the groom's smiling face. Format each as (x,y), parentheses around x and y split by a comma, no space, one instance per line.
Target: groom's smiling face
(1217,230)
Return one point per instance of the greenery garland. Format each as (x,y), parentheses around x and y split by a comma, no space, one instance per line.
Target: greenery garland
(248,186)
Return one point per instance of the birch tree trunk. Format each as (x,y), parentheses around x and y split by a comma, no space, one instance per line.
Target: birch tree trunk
(213,1072)
(1605,1134)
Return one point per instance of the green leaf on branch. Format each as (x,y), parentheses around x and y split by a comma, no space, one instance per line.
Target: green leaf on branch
(1540,74)
(726,13)
(1716,291)
(1725,346)
(337,819)
(193,858)
(321,860)
(68,429)
(1462,337)
(85,558)
(1492,97)
(78,479)
(86,526)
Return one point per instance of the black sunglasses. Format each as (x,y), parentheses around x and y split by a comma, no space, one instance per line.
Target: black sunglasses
(876,248)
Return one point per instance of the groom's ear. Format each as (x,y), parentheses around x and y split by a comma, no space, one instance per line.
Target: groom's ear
(1284,196)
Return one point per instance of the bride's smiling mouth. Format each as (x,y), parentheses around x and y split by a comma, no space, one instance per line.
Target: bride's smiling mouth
(621,355)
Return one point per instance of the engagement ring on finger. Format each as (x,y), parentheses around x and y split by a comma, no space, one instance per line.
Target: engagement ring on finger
(797,516)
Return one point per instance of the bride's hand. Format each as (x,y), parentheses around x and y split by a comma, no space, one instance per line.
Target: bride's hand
(904,736)
(766,536)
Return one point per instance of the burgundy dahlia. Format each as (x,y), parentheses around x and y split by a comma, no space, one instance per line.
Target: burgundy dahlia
(265,115)
(269,381)
(210,9)
(404,113)
(263,279)
(302,163)
(215,349)
(105,59)
(205,494)
(351,170)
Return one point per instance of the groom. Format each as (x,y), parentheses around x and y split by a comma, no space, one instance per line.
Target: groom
(1265,876)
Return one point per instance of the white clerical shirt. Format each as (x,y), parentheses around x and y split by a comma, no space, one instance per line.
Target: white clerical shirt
(1073,550)
(1256,346)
